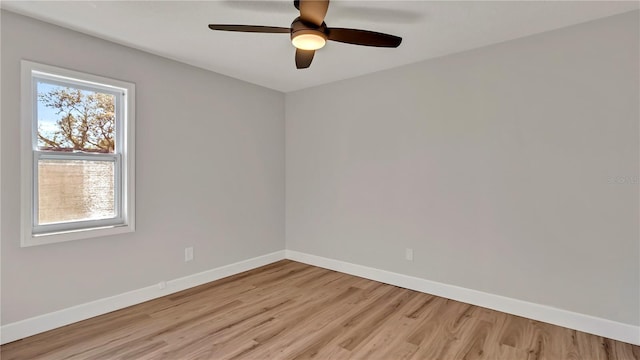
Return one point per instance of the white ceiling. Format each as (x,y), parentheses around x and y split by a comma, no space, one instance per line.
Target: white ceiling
(178,30)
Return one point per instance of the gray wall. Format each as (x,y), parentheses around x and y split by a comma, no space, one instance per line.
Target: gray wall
(210,174)
(511,169)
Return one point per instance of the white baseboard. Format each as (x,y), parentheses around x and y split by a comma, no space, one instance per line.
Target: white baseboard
(581,322)
(590,324)
(42,323)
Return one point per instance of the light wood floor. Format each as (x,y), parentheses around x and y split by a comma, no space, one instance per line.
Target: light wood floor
(289,310)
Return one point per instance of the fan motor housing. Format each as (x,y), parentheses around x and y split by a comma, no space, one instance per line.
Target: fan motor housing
(300,27)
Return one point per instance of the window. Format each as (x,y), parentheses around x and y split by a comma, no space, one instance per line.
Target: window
(77,155)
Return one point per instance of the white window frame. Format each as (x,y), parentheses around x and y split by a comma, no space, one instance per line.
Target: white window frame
(123,157)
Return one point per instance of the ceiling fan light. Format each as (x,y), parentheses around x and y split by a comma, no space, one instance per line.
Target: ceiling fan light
(308,41)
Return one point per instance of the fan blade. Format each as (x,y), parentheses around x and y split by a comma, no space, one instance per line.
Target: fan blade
(313,11)
(250,28)
(304,58)
(363,37)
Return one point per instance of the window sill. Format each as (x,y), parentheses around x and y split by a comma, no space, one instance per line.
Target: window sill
(29,239)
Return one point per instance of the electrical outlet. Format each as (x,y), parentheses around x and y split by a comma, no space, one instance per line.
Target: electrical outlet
(162,285)
(188,254)
(408,254)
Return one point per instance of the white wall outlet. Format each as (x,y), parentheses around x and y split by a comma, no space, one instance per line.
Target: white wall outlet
(188,254)
(408,254)
(162,285)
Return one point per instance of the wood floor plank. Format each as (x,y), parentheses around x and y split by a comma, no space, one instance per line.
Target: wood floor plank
(289,310)
(389,342)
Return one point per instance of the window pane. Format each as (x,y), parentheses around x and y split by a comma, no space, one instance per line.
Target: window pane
(71,190)
(71,119)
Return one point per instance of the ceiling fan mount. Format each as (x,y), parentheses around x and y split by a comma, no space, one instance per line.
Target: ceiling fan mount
(309,32)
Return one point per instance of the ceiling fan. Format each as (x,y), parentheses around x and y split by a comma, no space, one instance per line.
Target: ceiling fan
(310,33)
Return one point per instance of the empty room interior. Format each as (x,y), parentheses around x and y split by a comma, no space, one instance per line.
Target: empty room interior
(313,179)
